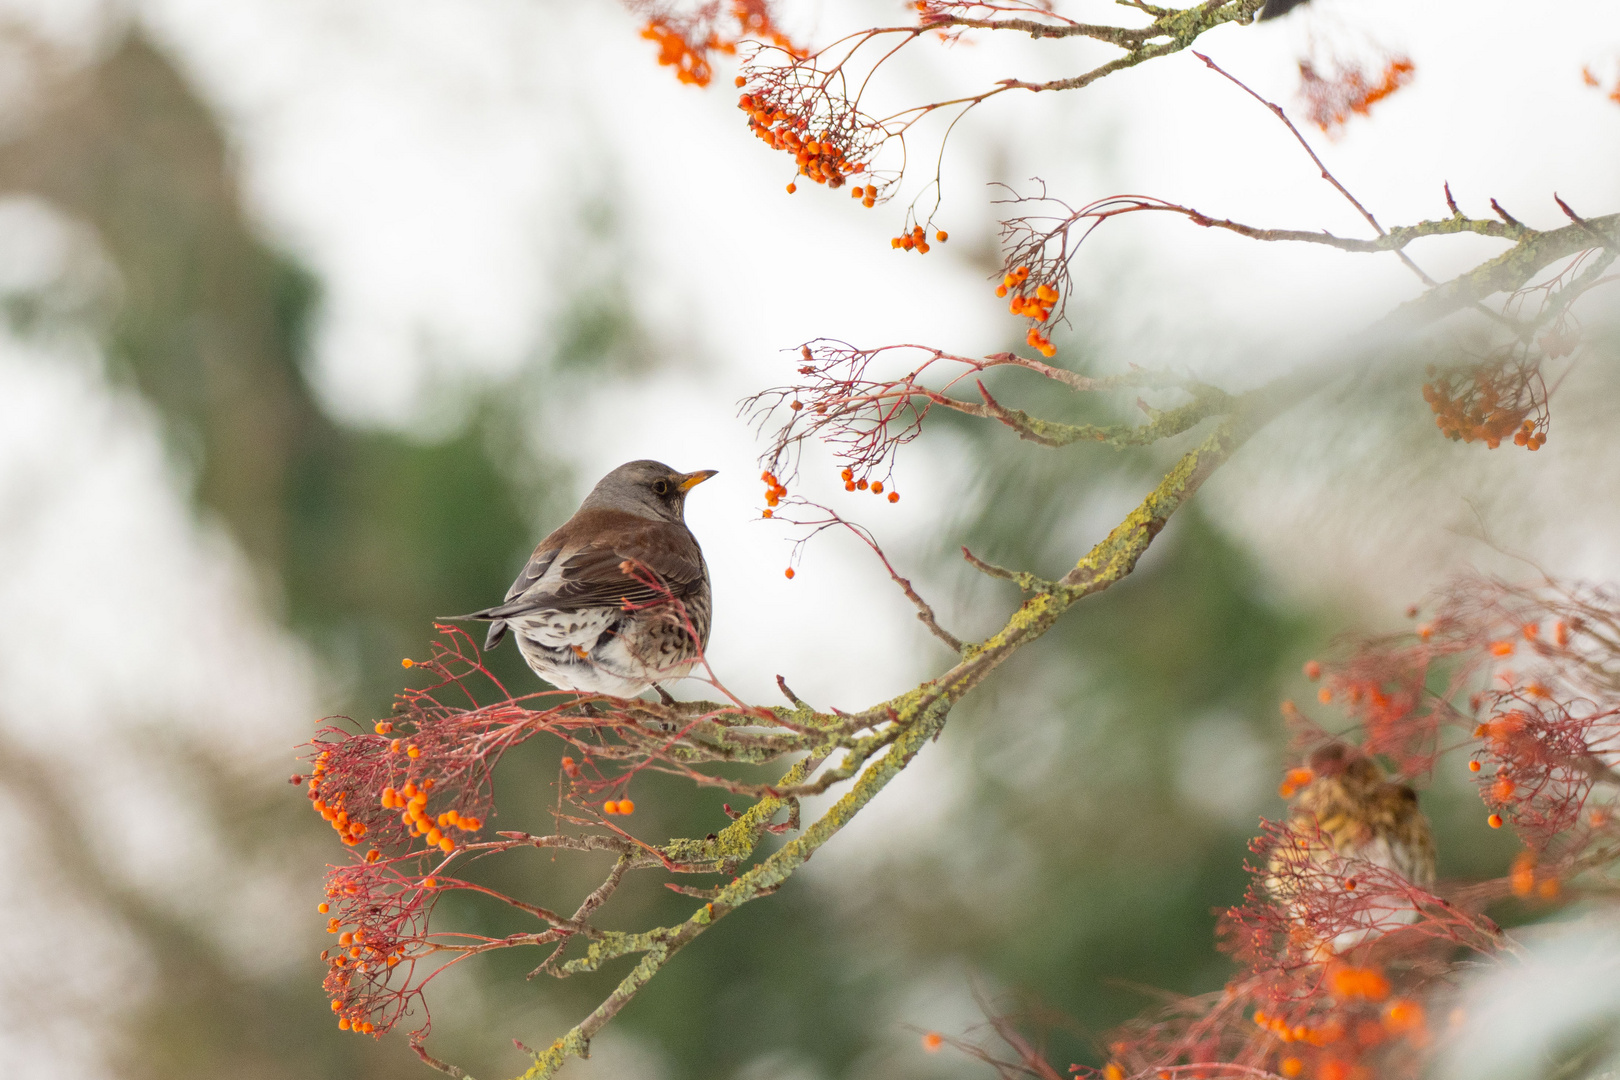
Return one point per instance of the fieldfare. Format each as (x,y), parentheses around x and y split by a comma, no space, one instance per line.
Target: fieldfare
(1349,809)
(593,608)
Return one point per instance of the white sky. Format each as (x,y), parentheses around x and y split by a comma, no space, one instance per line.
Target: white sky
(428,159)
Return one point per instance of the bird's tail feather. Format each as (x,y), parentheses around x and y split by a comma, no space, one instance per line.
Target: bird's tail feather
(495,616)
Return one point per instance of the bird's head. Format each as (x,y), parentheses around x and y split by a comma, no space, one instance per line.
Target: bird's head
(1346,765)
(646,489)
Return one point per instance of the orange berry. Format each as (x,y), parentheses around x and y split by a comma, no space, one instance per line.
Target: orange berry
(1324,695)
(788,573)
(894,496)
(791,188)
(407,662)
(446,844)
(739,81)
(412,751)
(933,1041)
(849,485)
(323,908)
(847,474)
(434,836)
(1473,766)
(1313,670)
(430,883)
(766,513)
(610,807)
(383,727)
(626,806)
(1494,821)
(877,487)
(862,485)
(942,236)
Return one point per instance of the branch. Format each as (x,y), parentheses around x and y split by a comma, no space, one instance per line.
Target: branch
(1161,425)
(918,716)
(1509,271)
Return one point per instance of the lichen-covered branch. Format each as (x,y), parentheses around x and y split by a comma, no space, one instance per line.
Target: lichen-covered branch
(916,716)
(1512,270)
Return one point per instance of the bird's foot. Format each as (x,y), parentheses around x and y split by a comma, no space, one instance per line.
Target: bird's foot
(663,695)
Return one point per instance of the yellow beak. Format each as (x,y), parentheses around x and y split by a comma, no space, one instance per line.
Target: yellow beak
(692,479)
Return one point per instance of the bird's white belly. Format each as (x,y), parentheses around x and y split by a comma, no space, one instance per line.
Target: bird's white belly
(583,651)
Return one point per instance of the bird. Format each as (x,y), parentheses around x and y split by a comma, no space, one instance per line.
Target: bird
(1274,8)
(593,610)
(1349,809)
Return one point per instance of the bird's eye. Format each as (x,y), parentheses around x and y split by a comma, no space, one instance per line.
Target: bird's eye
(660,487)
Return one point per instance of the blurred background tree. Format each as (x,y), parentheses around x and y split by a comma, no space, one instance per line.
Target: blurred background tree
(1095,803)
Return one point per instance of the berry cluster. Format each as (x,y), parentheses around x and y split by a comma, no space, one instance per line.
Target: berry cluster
(1490,403)
(823,156)
(690,61)
(863,484)
(685,43)
(1034,303)
(917,240)
(1332,99)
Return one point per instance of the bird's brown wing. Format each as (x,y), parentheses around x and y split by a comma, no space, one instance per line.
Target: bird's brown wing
(595,575)
(533,570)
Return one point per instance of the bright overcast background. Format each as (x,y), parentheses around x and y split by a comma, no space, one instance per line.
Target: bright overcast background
(431,163)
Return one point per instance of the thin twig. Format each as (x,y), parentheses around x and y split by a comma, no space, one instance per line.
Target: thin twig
(1277,111)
